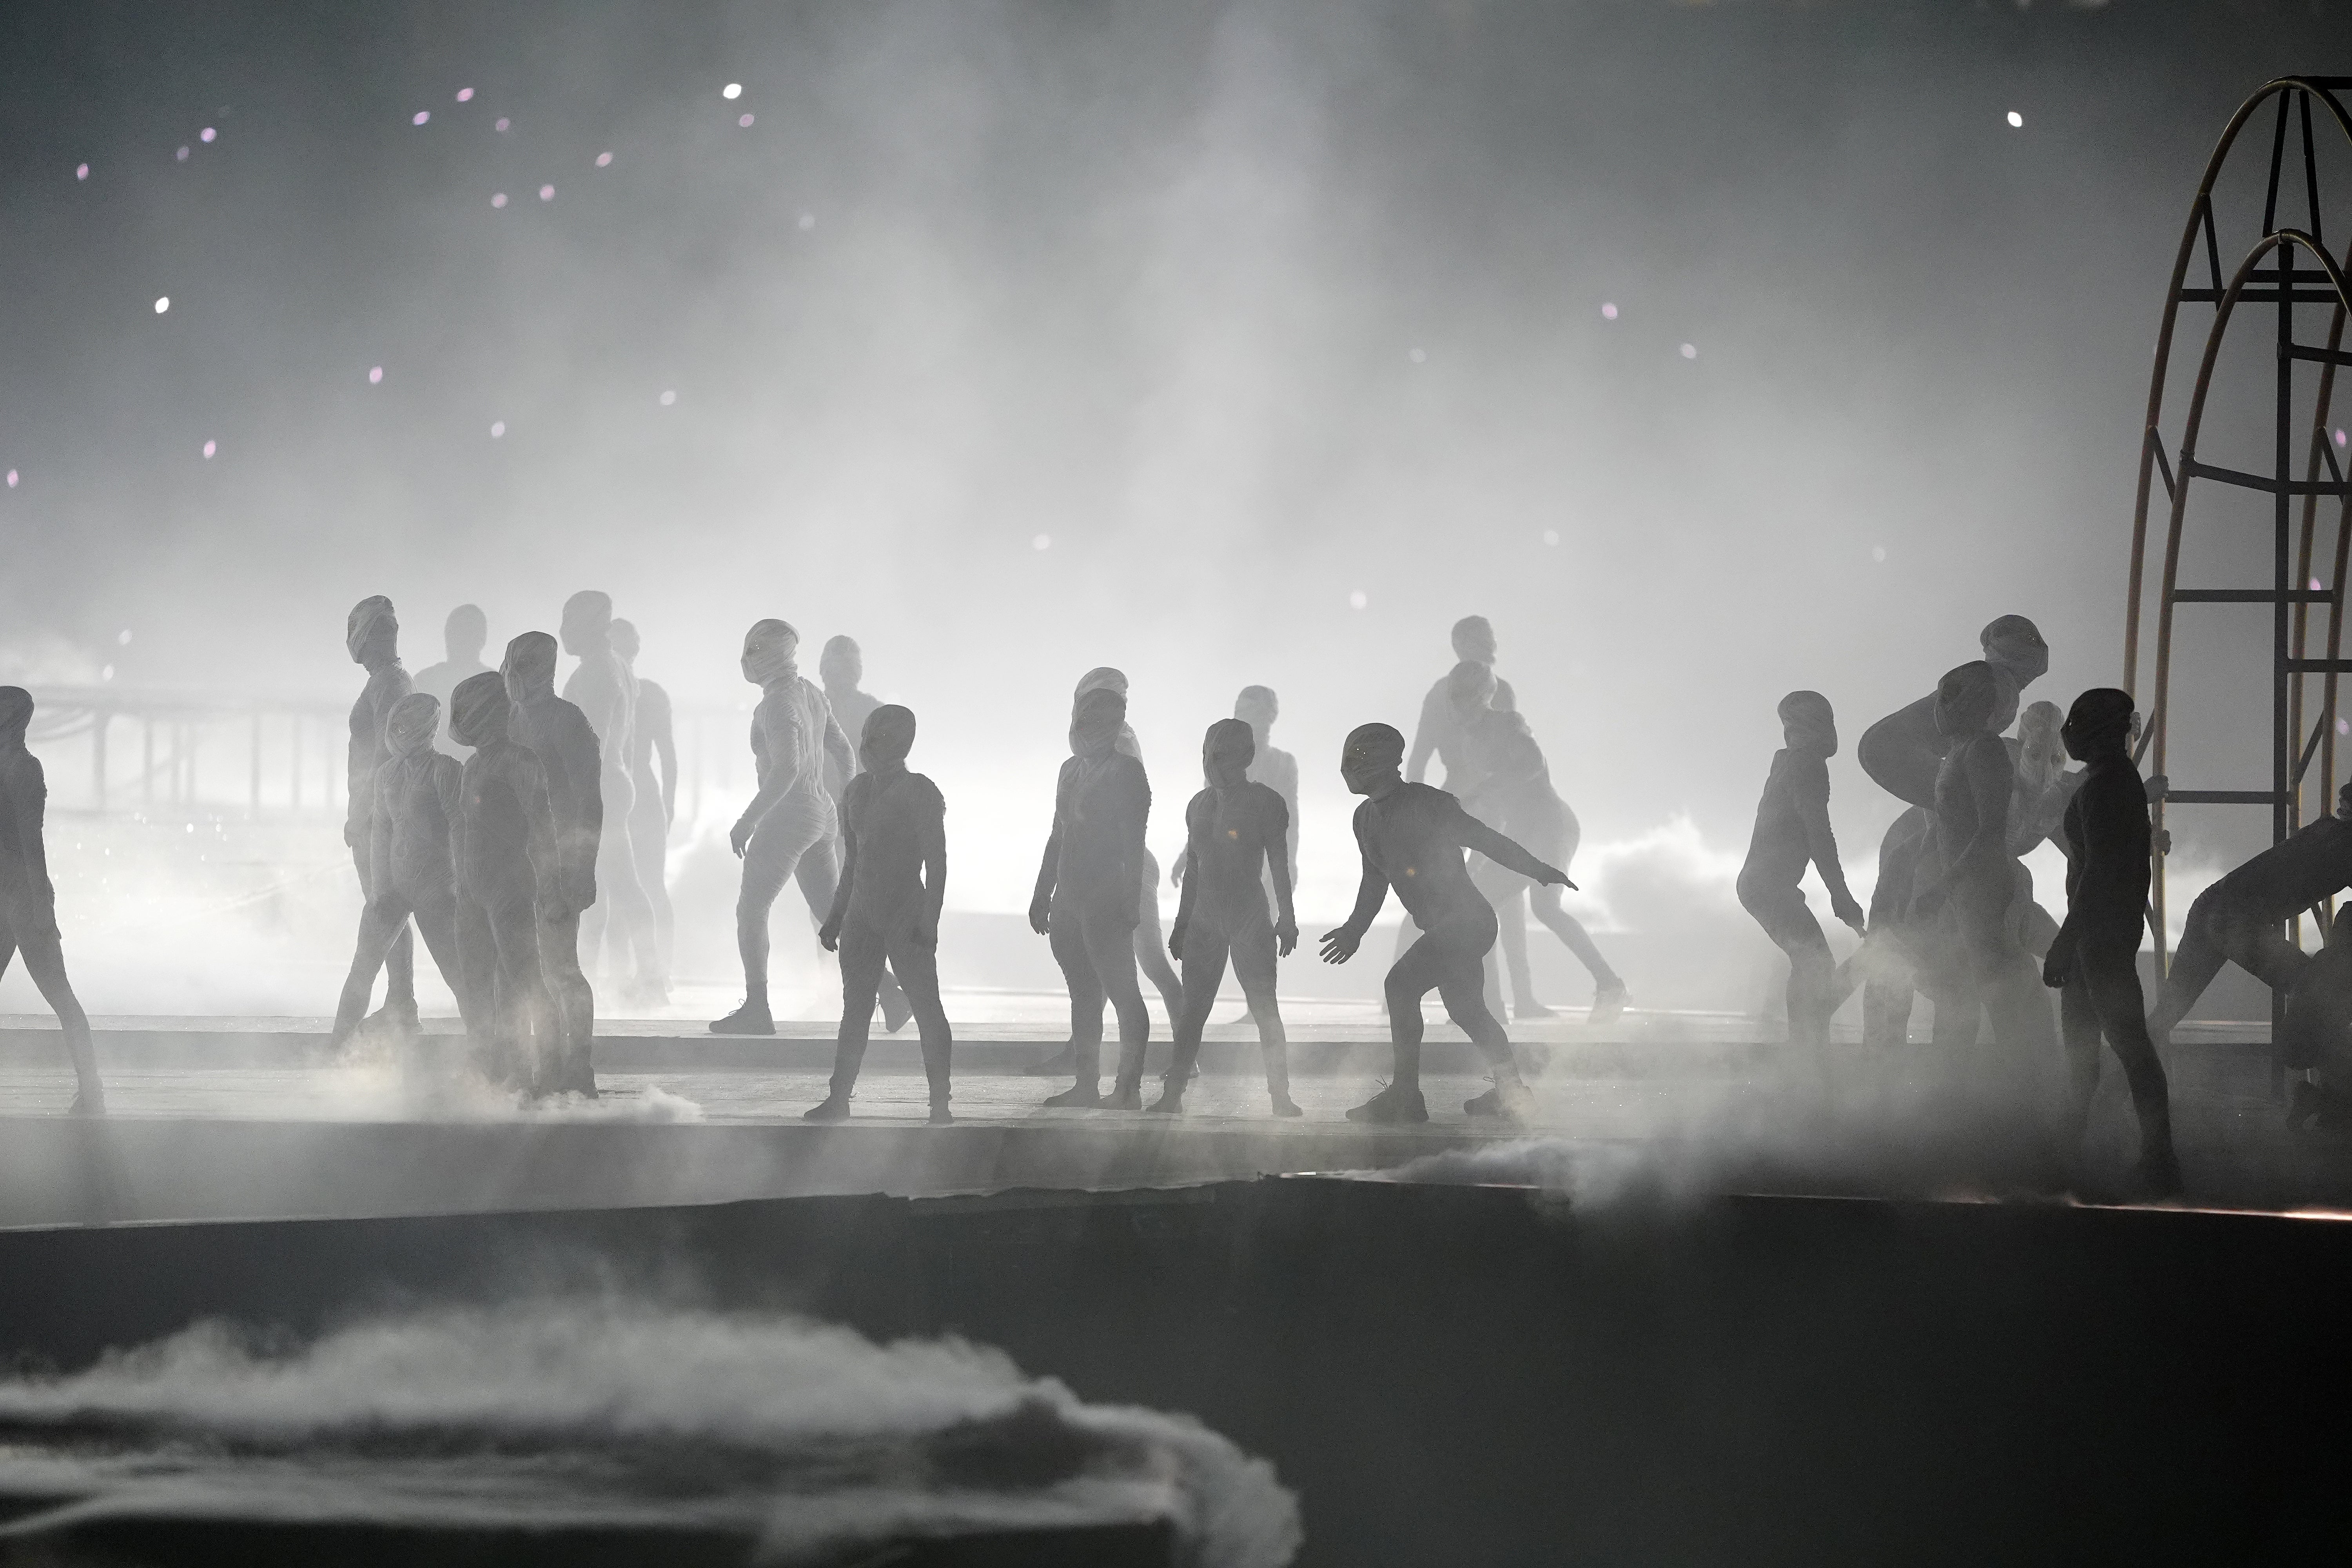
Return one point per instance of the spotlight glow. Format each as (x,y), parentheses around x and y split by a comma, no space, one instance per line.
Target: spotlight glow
(1359,599)
(745,122)
(465,95)
(502,124)
(375,376)
(163,304)
(2016,120)
(422,116)
(733,89)
(12,479)
(81,171)
(1551,536)
(497,428)
(547,192)
(808,222)
(210,448)
(1416,356)
(182,154)
(1690,350)
(1608,313)
(499,200)
(667,398)
(1042,541)
(603,160)
(207,134)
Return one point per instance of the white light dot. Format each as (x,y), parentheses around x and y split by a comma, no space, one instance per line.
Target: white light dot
(745,122)
(1690,350)
(465,95)
(163,304)
(2016,120)
(375,374)
(123,637)
(106,674)
(1551,536)
(733,90)
(808,221)
(1358,600)
(1878,552)
(1042,542)
(2342,727)
(12,479)
(547,192)
(503,123)
(182,154)
(1608,313)
(210,448)
(603,160)
(667,398)
(497,428)
(1416,356)
(81,171)
(207,134)
(422,116)
(499,200)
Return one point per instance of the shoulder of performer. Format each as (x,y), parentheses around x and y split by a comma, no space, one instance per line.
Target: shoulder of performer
(926,792)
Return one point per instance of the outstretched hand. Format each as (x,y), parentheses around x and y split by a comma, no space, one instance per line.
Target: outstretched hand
(1339,946)
(1285,937)
(1553,875)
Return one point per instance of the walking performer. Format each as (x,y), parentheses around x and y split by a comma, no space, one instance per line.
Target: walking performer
(1792,831)
(28,901)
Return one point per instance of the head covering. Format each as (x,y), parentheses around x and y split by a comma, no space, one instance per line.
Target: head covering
(624,640)
(1474,637)
(889,735)
(1810,711)
(842,662)
(1258,697)
(15,713)
(465,632)
(1231,741)
(1969,693)
(1103,678)
(531,659)
(1097,708)
(1471,683)
(768,650)
(411,724)
(2013,644)
(365,617)
(2099,714)
(1373,745)
(477,710)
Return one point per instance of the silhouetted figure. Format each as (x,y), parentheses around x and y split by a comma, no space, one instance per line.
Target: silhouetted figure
(1411,837)
(1508,788)
(887,906)
(1967,886)
(463,637)
(1902,753)
(2316,1031)
(653,744)
(602,688)
(1277,769)
(567,747)
(841,667)
(1236,833)
(1792,831)
(1086,897)
(2095,957)
(28,901)
(408,844)
(372,634)
(788,830)
(511,882)
(2243,917)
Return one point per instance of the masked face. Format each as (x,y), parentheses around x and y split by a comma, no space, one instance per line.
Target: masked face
(770,650)
(1093,736)
(477,710)
(888,736)
(411,725)
(16,714)
(372,632)
(1226,753)
(1371,758)
(1473,639)
(1258,708)
(587,622)
(530,667)
(1965,700)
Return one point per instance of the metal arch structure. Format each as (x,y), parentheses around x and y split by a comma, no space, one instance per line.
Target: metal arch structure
(2299,102)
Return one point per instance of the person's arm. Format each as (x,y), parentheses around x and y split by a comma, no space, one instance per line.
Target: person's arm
(781,750)
(1475,835)
(527,776)
(1424,734)
(1195,813)
(588,762)
(934,831)
(1041,903)
(828,935)
(1812,787)
(1339,946)
(1277,859)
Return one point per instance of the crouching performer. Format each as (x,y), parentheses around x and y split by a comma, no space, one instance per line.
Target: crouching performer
(410,872)
(2095,958)
(886,908)
(510,877)
(28,901)
(1412,837)
(1234,832)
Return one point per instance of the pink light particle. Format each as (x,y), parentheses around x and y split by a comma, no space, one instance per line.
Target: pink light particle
(745,122)
(422,116)
(210,448)
(2314,584)
(499,200)
(182,154)
(497,428)
(207,134)
(375,376)
(2339,435)
(603,160)
(1690,350)
(465,95)
(1608,313)
(503,123)
(547,192)
(81,171)
(12,479)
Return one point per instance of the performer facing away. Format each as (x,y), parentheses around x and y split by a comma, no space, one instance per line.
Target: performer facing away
(1792,831)
(887,906)
(1411,837)
(1235,833)
(28,901)
(408,845)
(511,878)
(566,744)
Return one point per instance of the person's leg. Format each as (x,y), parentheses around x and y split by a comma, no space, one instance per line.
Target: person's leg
(35,935)
(381,921)
(2195,961)
(1413,976)
(1504,890)
(817,870)
(1812,972)
(1254,965)
(1151,955)
(649,841)
(2112,978)
(1085,989)
(1204,971)
(573,1070)
(1575,938)
(2262,949)
(435,912)
(1463,952)
(1511,921)
(2078,1028)
(399,961)
(769,861)
(477,969)
(863,951)
(1886,964)
(916,965)
(1110,942)
(528,1027)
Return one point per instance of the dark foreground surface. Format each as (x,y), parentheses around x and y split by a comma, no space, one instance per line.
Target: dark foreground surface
(1454,1374)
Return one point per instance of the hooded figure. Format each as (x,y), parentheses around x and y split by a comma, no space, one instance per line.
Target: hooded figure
(1085,899)
(568,749)
(463,637)
(602,688)
(1236,834)
(887,906)
(839,669)
(1411,837)
(789,830)
(1792,831)
(409,863)
(28,903)
(372,637)
(653,745)
(510,880)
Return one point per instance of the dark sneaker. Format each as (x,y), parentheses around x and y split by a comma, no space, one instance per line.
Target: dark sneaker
(941,1115)
(1508,1104)
(832,1108)
(2157,1176)
(747,1019)
(1283,1106)
(1125,1097)
(89,1102)
(1397,1102)
(1170,1102)
(1609,1002)
(1077,1097)
(396,1017)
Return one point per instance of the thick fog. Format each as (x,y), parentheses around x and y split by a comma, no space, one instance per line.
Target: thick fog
(1709,350)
